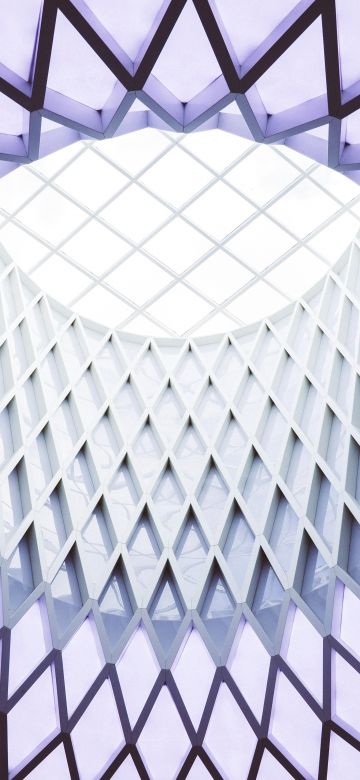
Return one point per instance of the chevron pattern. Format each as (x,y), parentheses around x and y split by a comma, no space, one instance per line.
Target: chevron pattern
(85,69)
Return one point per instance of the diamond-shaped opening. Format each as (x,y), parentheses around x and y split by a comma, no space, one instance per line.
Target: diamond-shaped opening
(97,542)
(74,348)
(323,505)
(350,560)
(115,605)
(249,661)
(137,669)
(147,449)
(43,727)
(168,498)
(231,444)
(228,369)
(190,375)
(144,550)
(169,412)
(273,431)
(124,492)
(54,521)
(299,469)
(308,663)
(80,481)
(165,747)
(320,359)
(8,419)
(257,485)
(238,544)
(106,442)
(309,410)
(97,736)
(266,354)
(149,372)
(20,574)
(229,739)
(349,325)
(287,380)
(353,470)
(40,324)
(341,385)
(40,460)
(218,608)
(78,676)
(189,453)
(193,671)
(129,407)
(212,499)
(210,409)
(64,427)
(284,531)
(191,552)
(53,376)
(268,599)
(110,365)
(248,401)
(315,580)
(31,403)
(20,347)
(166,611)
(14,498)
(301,744)
(66,593)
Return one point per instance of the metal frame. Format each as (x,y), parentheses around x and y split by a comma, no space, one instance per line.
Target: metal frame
(135,79)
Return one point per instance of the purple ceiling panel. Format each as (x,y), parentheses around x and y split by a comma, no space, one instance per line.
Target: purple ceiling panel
(291,67)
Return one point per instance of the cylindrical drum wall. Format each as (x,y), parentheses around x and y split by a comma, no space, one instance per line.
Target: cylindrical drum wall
(180,544)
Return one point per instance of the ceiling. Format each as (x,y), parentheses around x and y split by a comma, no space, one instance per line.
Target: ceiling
(172,234)
(283,71)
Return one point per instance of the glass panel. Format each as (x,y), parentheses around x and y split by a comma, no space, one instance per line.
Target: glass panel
(283,533)
(212,499)
(268,600)
(229,740)
(168,500)
(232,445)
(66,595)
(20,575)
(191,554)
(144,553)
(315,582)
(210,409)
(115,607)
(137,670)
(166,613)
(218,611)
(238,546)
(98,735)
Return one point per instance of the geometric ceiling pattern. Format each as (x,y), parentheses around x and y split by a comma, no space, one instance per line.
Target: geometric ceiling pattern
(170,234)
(284,71)
(180,543)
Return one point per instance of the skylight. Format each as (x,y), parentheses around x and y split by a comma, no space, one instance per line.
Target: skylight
(171,234)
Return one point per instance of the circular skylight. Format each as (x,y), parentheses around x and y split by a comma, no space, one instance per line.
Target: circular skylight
(170,234)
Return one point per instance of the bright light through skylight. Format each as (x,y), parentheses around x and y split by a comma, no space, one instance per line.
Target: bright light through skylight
(169,234)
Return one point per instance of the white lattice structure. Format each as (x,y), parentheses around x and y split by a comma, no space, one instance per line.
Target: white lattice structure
(180,543)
